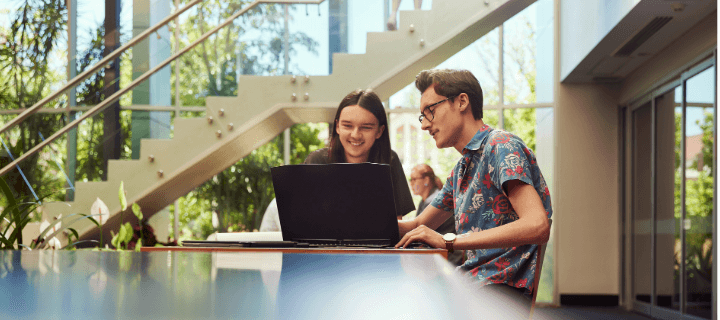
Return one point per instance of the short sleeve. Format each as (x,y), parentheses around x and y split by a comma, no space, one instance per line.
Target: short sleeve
(511,161)
(444,199)
(401,191)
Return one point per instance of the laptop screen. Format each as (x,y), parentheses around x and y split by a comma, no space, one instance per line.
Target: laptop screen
(340,201)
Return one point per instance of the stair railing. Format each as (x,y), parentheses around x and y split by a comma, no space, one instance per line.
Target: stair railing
(105,103)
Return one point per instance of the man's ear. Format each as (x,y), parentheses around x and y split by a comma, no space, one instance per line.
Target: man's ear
(464,101)
(379,132)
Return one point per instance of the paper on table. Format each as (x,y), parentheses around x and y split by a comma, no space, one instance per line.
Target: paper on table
(246,236)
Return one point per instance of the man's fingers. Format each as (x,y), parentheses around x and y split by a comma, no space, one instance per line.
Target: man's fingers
(402,241)
(413,235)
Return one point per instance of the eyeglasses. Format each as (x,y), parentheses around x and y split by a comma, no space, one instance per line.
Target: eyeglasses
(430,114)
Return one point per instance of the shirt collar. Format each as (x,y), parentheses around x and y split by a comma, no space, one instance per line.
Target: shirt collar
(477,139)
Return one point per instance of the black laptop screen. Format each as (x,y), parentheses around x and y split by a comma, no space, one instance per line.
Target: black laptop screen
(336,202)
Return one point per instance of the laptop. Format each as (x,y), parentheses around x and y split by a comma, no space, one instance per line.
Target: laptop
(339,204)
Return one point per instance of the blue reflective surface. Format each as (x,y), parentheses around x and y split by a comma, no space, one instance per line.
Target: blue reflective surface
(250,285)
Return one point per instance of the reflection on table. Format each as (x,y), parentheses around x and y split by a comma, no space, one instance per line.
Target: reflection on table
(334,250)
(248,285)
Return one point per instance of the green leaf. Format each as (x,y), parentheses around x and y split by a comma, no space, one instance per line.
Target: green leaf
(121,236)
(8,193)
(92,219)
(75,233)
(115,243)
(128,233)
(67,221)
(138,245)
(123,199)
(136,210)
(8,244)
(72,245)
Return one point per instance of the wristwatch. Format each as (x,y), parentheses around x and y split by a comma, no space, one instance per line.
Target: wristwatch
(449,240)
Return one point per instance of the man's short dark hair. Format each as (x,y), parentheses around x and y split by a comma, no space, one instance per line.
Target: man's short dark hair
(450,83)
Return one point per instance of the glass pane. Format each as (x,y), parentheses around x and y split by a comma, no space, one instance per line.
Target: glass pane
(490,117)
(520,56)
(311,24)
(544,147)
(699,160)
(480,58)
(641,206)
(668,213)
(521,122)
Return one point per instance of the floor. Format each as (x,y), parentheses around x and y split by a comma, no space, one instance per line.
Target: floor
(586,313)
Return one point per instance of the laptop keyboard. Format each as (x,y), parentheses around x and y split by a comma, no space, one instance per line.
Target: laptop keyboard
(358,243)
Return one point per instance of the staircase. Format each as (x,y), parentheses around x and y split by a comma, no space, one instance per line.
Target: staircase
(265,106)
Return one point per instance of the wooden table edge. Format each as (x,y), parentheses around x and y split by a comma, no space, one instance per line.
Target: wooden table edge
(442,252)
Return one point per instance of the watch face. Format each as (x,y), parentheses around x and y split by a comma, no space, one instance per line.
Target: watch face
(449,237)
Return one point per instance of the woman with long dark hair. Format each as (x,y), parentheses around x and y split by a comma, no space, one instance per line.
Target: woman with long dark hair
(360,134)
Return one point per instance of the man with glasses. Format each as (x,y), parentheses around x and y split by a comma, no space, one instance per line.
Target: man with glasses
(496,192)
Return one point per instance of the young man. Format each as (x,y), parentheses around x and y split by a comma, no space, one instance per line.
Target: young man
(496,193)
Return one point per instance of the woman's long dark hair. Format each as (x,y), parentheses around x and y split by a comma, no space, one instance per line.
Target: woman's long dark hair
(368,100)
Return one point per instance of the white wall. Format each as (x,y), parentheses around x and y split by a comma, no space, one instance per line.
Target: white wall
(583,24)
(586,184)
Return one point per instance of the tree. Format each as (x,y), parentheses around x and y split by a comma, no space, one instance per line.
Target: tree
(89,93)
(698,202)
(240,194)
(28,77)
(253,45)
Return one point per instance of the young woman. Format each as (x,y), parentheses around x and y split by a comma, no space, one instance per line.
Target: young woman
(425,184)
(360,135)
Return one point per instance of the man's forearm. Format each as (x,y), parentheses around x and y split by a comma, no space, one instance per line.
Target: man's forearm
(519,232)
(406,226)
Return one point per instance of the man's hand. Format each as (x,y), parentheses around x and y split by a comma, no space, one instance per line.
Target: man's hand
(424,234)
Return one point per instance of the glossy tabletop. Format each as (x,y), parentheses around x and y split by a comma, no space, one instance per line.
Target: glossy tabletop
(332,250)
(245,285)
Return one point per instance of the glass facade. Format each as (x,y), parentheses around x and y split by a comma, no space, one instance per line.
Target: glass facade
(672,197)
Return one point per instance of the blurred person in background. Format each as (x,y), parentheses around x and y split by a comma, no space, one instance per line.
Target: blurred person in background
(425,184)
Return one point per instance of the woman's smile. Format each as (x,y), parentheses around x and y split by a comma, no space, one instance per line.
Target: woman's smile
(358,129)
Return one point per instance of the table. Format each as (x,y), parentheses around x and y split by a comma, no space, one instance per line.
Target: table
(326,250)
(180,284)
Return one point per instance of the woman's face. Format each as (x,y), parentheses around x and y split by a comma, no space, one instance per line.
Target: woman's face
(357,130)
(418,183)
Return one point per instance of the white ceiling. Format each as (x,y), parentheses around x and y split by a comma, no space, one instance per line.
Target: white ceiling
(601,65)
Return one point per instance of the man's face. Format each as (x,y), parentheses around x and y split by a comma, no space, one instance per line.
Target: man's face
(446,122)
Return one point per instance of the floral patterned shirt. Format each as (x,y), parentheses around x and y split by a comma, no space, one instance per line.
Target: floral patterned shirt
(474,193)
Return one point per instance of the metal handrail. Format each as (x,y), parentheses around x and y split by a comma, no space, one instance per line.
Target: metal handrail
(75,81)
(105,103)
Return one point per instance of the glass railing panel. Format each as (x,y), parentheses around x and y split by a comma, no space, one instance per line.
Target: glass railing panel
(309,33)
(42,174)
